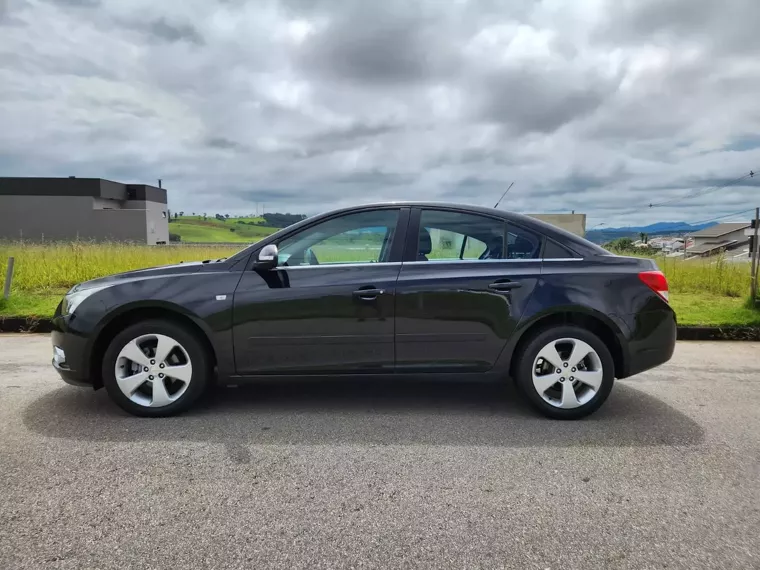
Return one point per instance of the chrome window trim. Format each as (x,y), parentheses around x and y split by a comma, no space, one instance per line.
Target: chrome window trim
(532,260)
(429,262)
(339,265)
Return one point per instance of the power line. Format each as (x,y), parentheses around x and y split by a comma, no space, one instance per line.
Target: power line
(694,194)
(721,217)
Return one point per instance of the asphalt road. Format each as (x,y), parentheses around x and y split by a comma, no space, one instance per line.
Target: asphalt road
(666,475)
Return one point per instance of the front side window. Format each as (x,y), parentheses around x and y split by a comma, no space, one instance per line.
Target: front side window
(452,236)
(364,237)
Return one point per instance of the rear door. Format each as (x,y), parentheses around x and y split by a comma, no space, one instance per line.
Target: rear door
(464,283)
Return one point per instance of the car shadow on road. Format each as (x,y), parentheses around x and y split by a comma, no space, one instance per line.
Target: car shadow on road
(366,412)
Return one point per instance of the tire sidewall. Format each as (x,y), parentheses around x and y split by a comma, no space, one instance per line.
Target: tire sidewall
(195,350)
(524,377)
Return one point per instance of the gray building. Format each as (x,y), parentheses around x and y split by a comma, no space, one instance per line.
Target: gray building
(82,208)
(718,238)
(573,223)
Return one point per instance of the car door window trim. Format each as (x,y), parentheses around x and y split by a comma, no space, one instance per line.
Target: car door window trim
(339,265)
(469,261)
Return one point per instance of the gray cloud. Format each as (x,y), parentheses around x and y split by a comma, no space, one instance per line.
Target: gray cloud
(375,53)
(222,143)
(169,32)
(309,105)
(529,100)
(76,3)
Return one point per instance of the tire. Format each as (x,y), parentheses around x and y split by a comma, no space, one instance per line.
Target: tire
(186,371)
(552,354)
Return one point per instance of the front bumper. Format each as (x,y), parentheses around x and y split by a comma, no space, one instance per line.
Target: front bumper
(70,354)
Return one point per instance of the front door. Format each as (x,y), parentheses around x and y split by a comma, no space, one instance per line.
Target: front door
(328,307)
(462,289)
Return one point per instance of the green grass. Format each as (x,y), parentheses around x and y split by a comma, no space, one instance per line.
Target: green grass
(194,229)
(713,310)
(706,276)
(703,292)
(30,305)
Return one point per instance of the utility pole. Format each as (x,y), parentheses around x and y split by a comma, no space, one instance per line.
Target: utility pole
(754,252)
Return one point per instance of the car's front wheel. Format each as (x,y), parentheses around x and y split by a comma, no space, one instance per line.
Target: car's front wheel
(566,372)
(155,368)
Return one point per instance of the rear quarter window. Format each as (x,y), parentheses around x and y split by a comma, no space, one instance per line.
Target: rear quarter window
(552,250)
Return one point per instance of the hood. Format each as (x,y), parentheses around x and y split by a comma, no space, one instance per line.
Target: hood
(152,272)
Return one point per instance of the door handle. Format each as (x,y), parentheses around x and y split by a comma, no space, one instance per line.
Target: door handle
(368,294)
(505,285)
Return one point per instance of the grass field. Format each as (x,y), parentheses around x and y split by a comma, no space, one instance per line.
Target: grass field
(702,292)
(194,229)
(46,268)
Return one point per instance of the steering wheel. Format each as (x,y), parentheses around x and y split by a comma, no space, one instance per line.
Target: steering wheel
(312,257)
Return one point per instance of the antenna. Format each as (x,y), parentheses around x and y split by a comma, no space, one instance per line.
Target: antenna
(502,196)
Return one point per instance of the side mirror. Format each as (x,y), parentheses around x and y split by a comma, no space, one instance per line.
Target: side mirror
(267,258)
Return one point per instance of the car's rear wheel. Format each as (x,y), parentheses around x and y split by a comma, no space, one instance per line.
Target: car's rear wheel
(155,368)
(566,372)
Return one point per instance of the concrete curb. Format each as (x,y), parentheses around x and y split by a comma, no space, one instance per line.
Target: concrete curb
(44,325)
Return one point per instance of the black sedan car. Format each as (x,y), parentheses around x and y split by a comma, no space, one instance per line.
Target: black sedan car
(388,290)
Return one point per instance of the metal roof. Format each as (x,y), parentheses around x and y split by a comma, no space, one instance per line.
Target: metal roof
(711,246)
(721,229)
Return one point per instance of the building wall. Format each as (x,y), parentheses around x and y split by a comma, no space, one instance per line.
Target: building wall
(71,217)
(574,223)
(157,220)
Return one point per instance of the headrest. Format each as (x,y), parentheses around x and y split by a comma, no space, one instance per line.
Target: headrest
(426,243)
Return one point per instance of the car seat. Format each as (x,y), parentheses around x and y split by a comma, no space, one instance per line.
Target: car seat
(425,245)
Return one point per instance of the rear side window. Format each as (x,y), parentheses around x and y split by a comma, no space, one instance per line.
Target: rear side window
(522,244)
(452,236)
(553,250)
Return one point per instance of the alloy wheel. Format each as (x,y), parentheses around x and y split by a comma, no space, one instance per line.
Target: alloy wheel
(153,370)
(567,373)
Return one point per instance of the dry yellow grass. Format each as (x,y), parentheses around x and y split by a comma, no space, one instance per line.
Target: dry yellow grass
(41,268)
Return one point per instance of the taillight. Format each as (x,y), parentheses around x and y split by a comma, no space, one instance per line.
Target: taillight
(656,281)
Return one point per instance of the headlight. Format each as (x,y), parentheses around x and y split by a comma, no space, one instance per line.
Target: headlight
(74,298)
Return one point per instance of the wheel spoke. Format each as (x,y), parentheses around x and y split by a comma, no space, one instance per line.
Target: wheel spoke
(130,384)
(580,351)
(591,378)
(569,399)
(545,381)
(134,353)
(182,372)
(550,354)
(164,347)
(160,395)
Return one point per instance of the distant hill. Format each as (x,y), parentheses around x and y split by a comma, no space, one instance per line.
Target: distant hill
(603,235)
(214,230)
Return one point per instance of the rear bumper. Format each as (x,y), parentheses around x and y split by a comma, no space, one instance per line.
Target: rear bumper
(652,342)
(69,354)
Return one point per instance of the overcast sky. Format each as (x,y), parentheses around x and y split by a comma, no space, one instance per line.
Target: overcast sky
(601,106)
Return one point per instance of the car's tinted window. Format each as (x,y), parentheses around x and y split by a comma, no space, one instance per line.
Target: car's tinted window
(364,237)
(553,250)
(522,244)
(447,236)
